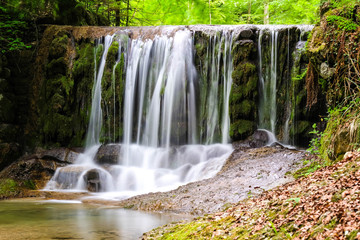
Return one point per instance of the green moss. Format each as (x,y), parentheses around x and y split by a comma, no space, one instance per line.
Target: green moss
(241,129)
(243,71)
(58,46)
(245,110)
(8,187)
(56,67)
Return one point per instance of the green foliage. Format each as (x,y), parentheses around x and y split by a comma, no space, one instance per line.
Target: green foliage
(310,166)
(315,142)
(186,12)
(8,187)
(11,31)
(342,23)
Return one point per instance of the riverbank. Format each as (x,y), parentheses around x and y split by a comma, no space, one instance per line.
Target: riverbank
(322,205)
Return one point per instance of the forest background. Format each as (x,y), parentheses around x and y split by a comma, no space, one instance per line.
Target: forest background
(17,15)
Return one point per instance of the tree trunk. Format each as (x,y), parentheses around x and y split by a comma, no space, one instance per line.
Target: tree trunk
(117,13)
(127,12)
(249,13)
(209,12)
(266,12)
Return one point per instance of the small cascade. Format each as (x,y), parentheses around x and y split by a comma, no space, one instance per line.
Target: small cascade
(217,70)
(278,55)
(95,124)
(268,81)
(160,142)
(163,102)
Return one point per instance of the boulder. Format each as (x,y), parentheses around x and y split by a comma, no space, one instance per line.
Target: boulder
(108,154)
(92,180)
(246,34)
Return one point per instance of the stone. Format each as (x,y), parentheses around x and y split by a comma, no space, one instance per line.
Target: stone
(325,71)
(108,154)
(37,170)
(92,180)
(259,139)
(246,34)
(64,155)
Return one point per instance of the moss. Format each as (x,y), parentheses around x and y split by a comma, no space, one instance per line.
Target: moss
(58,46)
(244,109)
(241,129)
(243,49)
(243,71)
(8,188)
(56,67)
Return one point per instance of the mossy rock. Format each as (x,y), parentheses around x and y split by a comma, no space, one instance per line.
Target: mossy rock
(241,129)
(8,132)
(9,152)
(244,110)
(243,72)
(58,46)
(243,49)
(56,67)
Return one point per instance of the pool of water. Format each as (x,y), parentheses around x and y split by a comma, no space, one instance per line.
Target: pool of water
(71,220)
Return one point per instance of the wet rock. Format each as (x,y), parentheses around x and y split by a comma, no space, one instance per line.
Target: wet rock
(59,154)
(259,139)
(246,34)
(108,154)
(37,170)
(38,167)
(92,180)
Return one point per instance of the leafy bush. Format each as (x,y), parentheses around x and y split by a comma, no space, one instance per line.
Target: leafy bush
(342,23)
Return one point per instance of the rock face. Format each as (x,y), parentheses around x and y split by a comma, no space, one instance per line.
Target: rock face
(39,167)
(333,76)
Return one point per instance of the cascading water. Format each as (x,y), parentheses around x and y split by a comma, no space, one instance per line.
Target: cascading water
(268,78)
(172,103)
(161,136)
(276,103)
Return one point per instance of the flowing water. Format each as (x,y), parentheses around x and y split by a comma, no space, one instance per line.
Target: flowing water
(70,220)
(161,146)
(278,123)
(174,122)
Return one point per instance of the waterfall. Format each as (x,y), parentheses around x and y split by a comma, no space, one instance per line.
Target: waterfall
(276,87)
(218,68)
(161,140)
(95,124)
(166,110)
(268,79)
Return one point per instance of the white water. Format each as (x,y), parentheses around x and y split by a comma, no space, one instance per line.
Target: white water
(278,123)
(217,70)
(169,110)
(268,78)
(160,116)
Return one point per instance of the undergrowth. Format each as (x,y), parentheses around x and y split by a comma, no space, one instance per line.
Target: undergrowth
(10,188)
